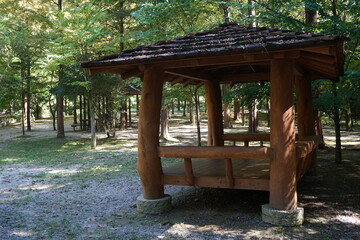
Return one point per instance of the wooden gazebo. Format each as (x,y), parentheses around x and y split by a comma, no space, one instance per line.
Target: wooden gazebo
(231,54)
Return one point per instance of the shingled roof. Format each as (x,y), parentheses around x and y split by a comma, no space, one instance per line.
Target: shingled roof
(226,39)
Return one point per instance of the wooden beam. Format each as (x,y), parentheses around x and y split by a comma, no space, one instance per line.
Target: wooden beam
(216,152)
(187,73)
(149,164)
(219,182)
(135,72)
(282,136)
(113,69)
(177,80)
(246,77)
(187,82)
(229,59)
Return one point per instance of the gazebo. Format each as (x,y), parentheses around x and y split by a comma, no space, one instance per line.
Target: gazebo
(231,54)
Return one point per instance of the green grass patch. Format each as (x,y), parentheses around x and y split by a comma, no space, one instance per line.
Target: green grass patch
(112,157)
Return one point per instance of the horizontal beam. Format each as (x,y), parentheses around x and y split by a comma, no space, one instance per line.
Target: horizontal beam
(135,72)
(187,73)
(246,77)
(216,152)
(218,182)
(230,59)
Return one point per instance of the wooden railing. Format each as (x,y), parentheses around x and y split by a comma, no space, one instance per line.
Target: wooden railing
(305,154)
(248,137)
(226,153)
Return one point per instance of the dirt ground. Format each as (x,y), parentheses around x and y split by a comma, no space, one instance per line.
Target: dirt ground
(47,202)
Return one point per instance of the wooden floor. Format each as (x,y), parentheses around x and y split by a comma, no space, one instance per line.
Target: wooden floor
(247,174)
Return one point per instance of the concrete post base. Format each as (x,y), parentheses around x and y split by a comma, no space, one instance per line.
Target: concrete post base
(282,217)
(154,206)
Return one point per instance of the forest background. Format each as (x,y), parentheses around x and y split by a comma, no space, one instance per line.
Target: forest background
(44,42)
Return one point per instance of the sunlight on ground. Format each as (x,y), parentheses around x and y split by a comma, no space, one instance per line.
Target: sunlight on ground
(40,187)
(22,233)
(353,219)
(63,172)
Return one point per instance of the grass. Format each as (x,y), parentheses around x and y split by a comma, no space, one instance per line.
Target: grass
(110,159)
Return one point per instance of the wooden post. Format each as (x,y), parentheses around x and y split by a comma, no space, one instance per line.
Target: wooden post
(149,163)
(306,122)
(305,112)
(214,112)
(282,136)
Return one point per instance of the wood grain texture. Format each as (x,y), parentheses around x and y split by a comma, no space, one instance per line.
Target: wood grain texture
(149,163)
(282,137)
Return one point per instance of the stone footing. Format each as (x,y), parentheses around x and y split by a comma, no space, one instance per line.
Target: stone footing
(154,206)
(282,217)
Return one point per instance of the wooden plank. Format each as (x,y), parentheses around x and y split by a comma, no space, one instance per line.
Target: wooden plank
(149,163)
(318,57)
(246,77)
(191,74)
(219,182)
(189,171)
(229,172)
(282,137)
(215,152)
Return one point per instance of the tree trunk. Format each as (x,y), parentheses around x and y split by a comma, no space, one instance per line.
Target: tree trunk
(28,99)
(197,118)
(164,123)
(267,105)
(81,112)
(60,108)
(130,124)
(192,115)
(137,104)
(348,119)
(60,117)
(172,107)
(53,114)
(253,117)
(310,13)
(75,115)
(123,117)
(227,111)
(236,109)
(92,118)
(184,109)
(338,155)
(178,105)
(242,116)
(23,113)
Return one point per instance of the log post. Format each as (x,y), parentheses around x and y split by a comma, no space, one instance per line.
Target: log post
(214,113)
(149,164)
(306,122)
(282,136)
(305,112)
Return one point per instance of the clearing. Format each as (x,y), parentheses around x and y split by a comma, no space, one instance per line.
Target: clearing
(60,189)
